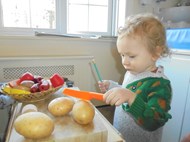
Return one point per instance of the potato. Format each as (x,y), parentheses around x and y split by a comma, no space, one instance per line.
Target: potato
(29,108)
(83,112)
(60,106)
(34,125)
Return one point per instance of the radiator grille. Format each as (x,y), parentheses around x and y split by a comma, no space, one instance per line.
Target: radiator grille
(75,68)
(46,71)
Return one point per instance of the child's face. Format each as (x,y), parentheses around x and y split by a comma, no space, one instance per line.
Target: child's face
(135,55)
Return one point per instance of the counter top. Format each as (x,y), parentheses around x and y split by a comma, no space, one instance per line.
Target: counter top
(100,124)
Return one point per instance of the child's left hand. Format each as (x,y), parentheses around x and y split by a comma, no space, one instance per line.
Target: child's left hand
(117,96)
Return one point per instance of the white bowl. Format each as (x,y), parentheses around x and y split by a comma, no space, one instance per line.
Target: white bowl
(175,14)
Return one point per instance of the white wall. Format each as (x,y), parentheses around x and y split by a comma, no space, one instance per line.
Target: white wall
(104,51)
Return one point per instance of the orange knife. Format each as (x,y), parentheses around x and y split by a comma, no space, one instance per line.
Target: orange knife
(83,94)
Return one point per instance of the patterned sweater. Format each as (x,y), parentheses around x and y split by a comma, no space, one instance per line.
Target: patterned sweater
(152,103)
(149,110)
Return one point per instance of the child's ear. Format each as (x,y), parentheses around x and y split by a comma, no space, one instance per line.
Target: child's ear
(158,53)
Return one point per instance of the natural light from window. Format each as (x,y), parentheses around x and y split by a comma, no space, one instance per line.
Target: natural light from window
(82,17)
(87,15)
(29,13)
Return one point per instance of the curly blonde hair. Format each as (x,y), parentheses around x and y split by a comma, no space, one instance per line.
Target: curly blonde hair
(147,27)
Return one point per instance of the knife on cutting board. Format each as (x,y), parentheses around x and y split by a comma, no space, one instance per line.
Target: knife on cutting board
(83,94)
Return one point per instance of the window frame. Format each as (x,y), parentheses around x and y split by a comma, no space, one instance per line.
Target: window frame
(62,22)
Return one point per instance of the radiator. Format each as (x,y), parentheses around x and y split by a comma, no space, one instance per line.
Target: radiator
(75,68)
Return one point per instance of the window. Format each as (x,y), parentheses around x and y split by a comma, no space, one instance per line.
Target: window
(89,17)
(29,13)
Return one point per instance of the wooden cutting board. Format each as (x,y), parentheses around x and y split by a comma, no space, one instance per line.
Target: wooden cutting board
(66,129)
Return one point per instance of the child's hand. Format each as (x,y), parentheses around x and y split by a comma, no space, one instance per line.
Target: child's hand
(104,85)
(117,96)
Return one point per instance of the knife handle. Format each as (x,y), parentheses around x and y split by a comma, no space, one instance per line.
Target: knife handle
(97,96)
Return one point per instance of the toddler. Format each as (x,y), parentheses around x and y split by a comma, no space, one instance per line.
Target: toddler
(143,101)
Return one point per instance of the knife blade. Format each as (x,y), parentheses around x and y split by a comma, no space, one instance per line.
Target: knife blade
(83,94)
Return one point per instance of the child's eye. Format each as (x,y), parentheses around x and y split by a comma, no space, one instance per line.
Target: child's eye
(132,56)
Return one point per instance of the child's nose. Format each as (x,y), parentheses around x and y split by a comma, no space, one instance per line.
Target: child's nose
(125,61)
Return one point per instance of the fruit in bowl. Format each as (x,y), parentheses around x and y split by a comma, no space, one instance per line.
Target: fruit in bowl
(56,80)
(29,87)
(27,76)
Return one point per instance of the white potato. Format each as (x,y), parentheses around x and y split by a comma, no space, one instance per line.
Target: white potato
(29,108)
(60,106)
(34,125)
(83,112)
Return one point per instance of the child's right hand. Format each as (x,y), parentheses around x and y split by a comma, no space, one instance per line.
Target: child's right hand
(104,85)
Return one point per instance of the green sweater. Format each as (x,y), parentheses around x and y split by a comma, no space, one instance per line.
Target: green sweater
(152,103)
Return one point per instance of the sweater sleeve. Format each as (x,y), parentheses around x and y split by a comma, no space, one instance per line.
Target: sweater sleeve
(152,103)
